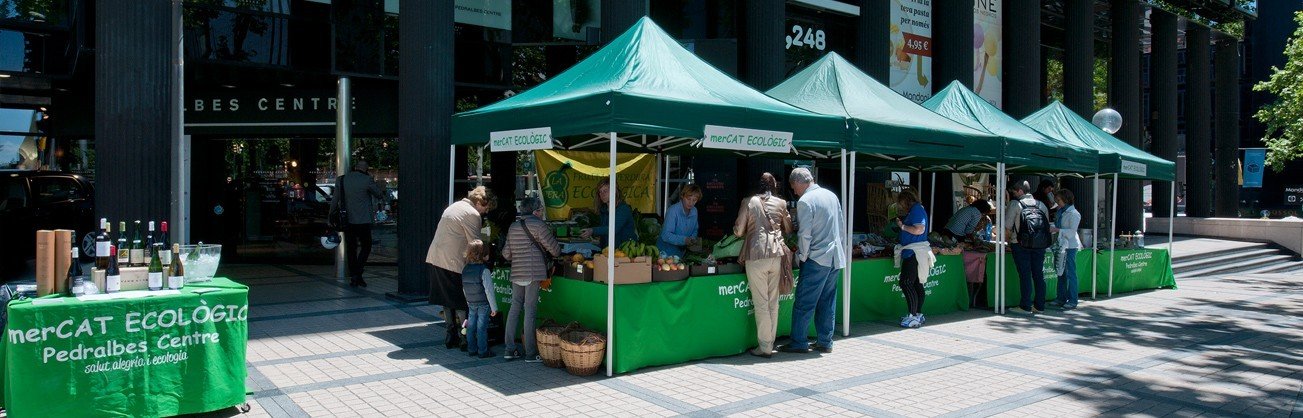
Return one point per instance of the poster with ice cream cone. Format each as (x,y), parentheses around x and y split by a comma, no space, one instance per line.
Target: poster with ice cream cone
(911,49)
(988,51)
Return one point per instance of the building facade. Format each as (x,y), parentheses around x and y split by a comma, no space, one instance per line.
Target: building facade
(257,89)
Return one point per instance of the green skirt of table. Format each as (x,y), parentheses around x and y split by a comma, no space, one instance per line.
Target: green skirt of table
(161,355)
(675,322)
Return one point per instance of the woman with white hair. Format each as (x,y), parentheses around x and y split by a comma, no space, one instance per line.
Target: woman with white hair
(530,247)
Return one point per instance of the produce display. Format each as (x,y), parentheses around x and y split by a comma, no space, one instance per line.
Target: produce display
(670,263)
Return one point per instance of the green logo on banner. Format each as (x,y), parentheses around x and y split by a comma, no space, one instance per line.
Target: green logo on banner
(554,188)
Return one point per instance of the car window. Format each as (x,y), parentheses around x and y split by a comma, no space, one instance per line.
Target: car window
(55,189)
(323,192)
(13,193)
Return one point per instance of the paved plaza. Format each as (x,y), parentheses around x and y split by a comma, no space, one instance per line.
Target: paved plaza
(1226,346)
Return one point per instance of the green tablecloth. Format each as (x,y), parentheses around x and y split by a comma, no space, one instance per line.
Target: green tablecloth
(675,322)
(162,355)
(1140,269)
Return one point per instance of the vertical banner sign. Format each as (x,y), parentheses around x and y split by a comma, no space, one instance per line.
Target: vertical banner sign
(988,50)
(1255,160)
(911,48)
(570,180)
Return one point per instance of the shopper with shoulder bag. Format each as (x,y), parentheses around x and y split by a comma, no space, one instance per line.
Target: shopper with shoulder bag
(1028,223)
(530,247)
(763,221)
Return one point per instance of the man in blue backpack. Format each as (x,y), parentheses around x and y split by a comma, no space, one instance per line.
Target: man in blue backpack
(1027,224)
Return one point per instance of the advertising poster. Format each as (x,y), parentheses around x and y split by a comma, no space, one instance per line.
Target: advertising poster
(1255,159)
(911,48)
(988,50)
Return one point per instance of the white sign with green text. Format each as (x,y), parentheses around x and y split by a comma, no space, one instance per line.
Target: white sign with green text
(742,139)
(521,139)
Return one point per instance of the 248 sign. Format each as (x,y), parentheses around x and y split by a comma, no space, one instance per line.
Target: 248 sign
(807,37)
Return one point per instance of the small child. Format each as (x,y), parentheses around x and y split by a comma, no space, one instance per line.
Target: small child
(477,285)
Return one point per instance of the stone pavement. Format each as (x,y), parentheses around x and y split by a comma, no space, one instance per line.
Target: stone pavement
(1229,346)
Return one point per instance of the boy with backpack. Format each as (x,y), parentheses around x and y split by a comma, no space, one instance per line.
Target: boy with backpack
(1028,227)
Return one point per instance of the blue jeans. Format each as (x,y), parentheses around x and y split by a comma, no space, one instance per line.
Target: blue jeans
(816,296)
(1067,289)
(477,328)
(1031,274)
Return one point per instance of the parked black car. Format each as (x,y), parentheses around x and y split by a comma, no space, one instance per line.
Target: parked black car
(35,200)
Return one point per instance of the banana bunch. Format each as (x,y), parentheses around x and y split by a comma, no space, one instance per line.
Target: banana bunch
(634,250)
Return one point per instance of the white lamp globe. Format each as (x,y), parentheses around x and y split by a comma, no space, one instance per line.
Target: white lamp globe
(1108,120)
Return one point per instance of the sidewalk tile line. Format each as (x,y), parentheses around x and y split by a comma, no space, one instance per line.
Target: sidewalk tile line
(291,302)
(350,353)
(270,394)
(663,401)
(854,406)
(754,403)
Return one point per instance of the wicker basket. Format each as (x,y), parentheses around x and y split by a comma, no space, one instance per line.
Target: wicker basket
(582,351)
(549,343)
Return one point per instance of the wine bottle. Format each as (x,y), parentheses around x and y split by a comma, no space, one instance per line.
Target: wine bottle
(166,257)
(74,286)
(175,270)
(124,252)
(102,246)
(155,273)
(137,248)
(149,242)
(113,276)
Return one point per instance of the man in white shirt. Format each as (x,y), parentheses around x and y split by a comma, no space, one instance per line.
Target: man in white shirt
(822,257)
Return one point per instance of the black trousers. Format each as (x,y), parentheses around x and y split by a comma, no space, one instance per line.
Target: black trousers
(357,248)
(910,286)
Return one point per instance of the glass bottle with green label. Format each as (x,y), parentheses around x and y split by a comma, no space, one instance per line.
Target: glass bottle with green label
(155,272)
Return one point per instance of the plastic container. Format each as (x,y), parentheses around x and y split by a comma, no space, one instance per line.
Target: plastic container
(201,261)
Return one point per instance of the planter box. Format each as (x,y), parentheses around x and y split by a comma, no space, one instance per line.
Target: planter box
(626,271)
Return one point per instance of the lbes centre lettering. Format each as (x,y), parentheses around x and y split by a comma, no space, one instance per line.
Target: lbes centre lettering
(265,104)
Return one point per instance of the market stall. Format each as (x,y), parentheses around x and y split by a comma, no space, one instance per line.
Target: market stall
(142,353)
(888,130)
(643,93)
(1121,160)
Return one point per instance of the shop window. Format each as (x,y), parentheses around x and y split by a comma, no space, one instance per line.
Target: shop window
(55,189)
(46,11)
(13,193)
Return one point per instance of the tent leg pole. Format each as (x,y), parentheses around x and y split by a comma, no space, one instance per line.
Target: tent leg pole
(1001,184)
(846,239)
(850,230)
(452,179)
(662,178)
(1112,242)
(1094,238)
(610,265)
(932,200)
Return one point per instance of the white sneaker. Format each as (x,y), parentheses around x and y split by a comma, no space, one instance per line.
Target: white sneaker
(915,322)
(906,320)
(535,359)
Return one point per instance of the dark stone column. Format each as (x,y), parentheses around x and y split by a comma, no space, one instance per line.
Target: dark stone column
(1022,58)
(1079,81)
(1198,123)
(135,109)
(425,98)
(763,59)
(1124,95)
(952,59)
(1163,95)
(619,15)
(1227,126)
(872,44)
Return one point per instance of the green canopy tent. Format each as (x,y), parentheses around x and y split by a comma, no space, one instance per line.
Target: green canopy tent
(886,127)
(646,86)
(1115,157)
(1023,149)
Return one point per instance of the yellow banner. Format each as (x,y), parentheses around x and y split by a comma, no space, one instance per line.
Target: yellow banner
(569,180)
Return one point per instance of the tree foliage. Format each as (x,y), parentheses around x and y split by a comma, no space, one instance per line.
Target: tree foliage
(1284,116)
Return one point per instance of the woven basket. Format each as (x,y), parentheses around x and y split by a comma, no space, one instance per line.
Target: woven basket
(582,351)
(549,343)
